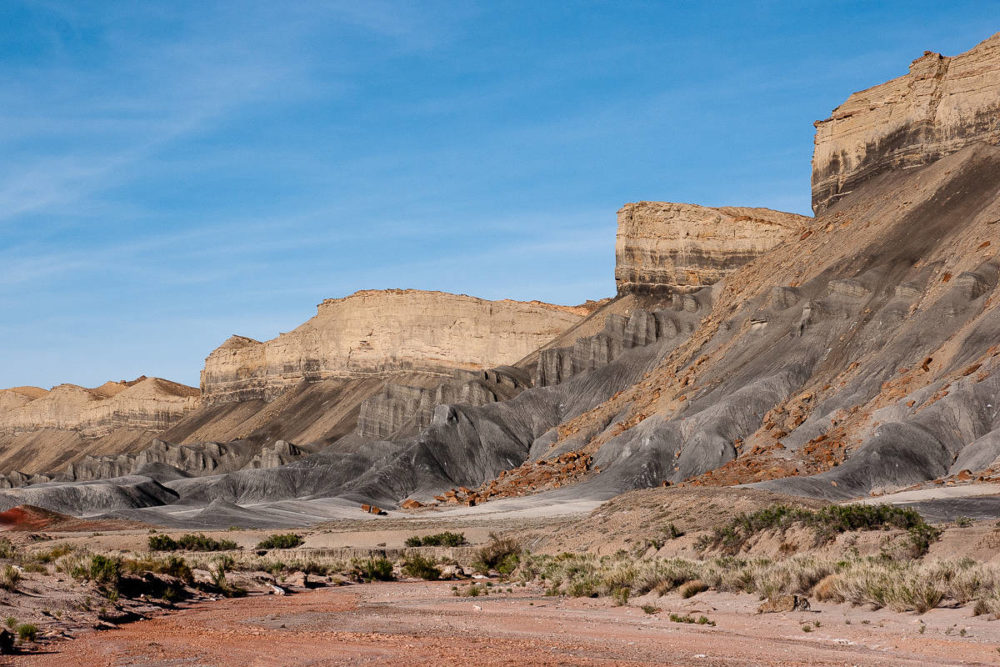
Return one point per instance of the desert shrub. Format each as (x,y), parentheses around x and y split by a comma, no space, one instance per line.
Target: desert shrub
(7,548)
(374,569)
(471,591)
(424,568)
(53,554)
(988,604)
(826,524)
(104,569)
(692,588)
(27,632)
(189,542)
(10,577)
(171,594)
(281,541)
(501,554)
(445,539)
(921,537)
(309,567)
(916,595)
(685,618)
(672,531)
(174,566)
(651,609)
(218,570)
(162,543)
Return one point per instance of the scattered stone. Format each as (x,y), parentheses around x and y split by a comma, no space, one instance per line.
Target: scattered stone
(784,603)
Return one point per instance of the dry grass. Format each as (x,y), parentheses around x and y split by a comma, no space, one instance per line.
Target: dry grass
(875,581)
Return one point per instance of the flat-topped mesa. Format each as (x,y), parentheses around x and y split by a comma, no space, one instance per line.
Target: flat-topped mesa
(664,248)
(146,404)
(942,105)
(377,332)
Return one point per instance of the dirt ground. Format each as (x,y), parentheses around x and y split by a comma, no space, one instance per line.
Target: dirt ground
(426,624)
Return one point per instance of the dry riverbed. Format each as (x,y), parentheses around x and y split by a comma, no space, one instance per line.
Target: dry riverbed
(424,623)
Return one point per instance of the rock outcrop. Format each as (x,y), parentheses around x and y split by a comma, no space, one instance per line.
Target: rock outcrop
(206,458)
(664,247)
(378,332)
(638,328)
(145,403)
(401,409)
(942,105)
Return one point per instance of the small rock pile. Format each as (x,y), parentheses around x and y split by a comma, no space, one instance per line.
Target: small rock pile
(533,476)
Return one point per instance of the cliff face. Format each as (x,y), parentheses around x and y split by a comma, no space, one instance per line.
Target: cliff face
(146,403)
(940,106)
(380,332)
(664,247)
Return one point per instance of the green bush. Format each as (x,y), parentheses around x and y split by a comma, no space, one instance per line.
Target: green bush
(175,566)
(189,542)
(10,577)
(374,569)
(444,539)
(281,541)
(162,543)
(501,554)
(826,523)
(53,553)
(105,571)
(7,548)
(27,632)
(424,568)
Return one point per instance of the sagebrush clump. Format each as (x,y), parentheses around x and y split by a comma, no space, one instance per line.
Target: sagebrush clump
(445,539)
(189,542)
(501,554)
(281,541)
(826,523)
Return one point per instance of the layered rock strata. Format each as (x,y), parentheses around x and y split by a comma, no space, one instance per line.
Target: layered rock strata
(403,409)
(942,105)
(378,332)
(195,460)
(622,332)
(663,247)
(146,403)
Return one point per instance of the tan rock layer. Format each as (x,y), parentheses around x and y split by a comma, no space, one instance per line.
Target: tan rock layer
(375,332)
(665,247)
(147,403)
(940,106)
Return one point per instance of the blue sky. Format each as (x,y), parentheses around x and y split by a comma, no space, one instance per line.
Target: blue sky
(174,173)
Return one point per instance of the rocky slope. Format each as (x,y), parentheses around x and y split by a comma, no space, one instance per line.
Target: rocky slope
(377,332)
(663,247)
(942,105)
(307,386)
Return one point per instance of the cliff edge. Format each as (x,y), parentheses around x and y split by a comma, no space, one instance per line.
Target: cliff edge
(942,105)
(374,332)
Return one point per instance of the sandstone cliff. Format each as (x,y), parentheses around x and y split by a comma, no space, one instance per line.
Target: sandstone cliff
(146,403)
(379,332)
(664,247)
(940,106)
